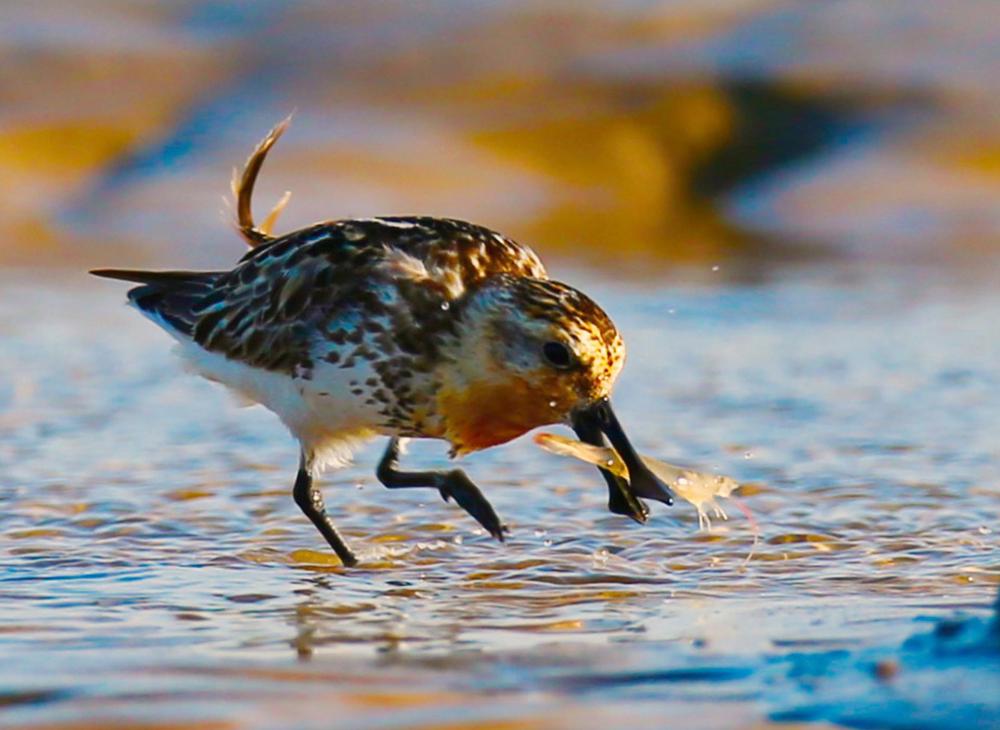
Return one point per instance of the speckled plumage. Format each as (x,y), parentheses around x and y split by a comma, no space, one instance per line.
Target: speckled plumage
(379,295)
(399,326)
(374,300)
(344,282)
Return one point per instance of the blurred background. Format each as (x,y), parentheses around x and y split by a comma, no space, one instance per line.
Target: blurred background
(632,134)
(790,209)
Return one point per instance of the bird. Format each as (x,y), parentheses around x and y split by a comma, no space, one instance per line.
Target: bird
(400,327)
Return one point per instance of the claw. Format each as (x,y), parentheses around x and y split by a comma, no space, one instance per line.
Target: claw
(451,485)
(467,495)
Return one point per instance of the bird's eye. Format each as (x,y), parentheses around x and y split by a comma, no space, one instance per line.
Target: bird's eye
(557,355)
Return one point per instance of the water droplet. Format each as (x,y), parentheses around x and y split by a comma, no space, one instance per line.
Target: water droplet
(457,539)
(552,404)
(445,306)
(671,311)
(715,268)
(681,481)
(610,462)
(748,455)
(547,543)
(539,533)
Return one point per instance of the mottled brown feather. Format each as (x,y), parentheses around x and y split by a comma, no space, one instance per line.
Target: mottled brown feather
(299,286)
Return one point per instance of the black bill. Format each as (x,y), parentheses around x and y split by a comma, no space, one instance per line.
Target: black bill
(595,422)
(621,500)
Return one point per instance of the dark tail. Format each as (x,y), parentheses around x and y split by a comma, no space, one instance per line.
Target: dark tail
(169,297)
(243,191)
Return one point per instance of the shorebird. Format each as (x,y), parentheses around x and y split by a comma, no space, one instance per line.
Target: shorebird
(406,327)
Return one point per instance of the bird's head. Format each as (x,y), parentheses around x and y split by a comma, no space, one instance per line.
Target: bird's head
(533,352)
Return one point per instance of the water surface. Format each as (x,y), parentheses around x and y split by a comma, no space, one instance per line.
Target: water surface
(155,565)
(789,208)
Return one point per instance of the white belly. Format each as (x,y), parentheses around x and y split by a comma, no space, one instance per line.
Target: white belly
(321,412)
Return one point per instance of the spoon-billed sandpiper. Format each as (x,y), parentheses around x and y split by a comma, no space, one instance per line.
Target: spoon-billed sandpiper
(404,327)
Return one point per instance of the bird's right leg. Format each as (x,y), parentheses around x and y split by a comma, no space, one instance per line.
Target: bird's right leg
(310,501)
(452,484)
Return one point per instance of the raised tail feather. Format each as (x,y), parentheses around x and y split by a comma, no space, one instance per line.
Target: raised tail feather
(243,191)
(168,297)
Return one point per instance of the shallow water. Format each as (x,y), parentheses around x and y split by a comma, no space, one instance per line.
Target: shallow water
(789,209)
(156,567)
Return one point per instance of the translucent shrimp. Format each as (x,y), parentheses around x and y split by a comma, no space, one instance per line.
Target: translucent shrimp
(698,488)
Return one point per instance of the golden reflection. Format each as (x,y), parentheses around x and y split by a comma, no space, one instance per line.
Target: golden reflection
(497,585)
(401,699)
(187,495)
(36,532)
(65,150)
(314,557)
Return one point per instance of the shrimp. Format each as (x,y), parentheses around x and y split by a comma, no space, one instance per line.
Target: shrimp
(698,488)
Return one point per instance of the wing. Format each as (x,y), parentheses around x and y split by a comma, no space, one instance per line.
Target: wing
(321,282)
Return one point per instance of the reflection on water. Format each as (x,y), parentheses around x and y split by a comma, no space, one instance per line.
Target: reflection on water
(151,541)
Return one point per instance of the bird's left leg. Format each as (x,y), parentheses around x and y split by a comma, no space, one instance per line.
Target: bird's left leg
(452,484)
(310,501)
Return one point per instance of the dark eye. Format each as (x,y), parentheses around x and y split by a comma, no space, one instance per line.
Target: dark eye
(557,354)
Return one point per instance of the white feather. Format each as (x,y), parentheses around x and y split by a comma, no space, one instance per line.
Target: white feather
(320,412)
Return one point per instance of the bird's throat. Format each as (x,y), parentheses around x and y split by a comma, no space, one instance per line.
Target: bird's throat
(481,414)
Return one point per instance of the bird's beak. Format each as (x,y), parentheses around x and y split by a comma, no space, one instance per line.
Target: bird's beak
(598,419)
(621,499)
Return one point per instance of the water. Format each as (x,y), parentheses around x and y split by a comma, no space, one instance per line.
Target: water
(790,211)
(155,565)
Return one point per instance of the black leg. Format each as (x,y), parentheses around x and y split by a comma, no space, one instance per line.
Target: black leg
(453,484)
(310,501)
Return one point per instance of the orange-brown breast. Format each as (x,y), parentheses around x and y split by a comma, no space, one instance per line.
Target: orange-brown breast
(485,414)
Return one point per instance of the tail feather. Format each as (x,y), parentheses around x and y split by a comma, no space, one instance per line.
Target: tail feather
(243,184)
(162,278)
(169,298)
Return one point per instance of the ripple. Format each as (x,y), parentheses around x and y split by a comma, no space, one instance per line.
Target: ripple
(132,546)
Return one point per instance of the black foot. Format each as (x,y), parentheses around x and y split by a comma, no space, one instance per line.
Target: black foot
(454,484)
